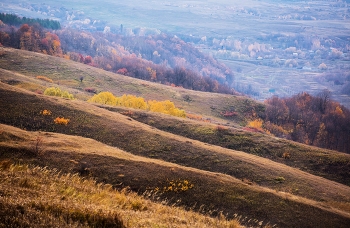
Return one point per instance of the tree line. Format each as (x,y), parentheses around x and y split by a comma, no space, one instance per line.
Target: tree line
(11,19)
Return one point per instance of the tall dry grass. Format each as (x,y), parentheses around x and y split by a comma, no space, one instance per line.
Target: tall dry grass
(45,198)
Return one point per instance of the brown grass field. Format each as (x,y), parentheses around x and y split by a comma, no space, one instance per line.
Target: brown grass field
(182,162)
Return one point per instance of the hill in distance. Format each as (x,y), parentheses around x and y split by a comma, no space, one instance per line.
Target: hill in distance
(207,167)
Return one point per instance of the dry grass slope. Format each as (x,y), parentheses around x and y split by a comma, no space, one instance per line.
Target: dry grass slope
(212,192)
(226,180)
(321,162)
(47,198)
(28,65)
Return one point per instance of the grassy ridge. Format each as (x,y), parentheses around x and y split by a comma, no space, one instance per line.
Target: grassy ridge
(117,130)
(90,121)
(211,193)
(321,162)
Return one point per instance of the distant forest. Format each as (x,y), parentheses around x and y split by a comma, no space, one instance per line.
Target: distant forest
(161,58)
(11,19)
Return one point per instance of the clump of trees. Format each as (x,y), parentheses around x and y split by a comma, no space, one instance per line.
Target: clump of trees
(31,38)
(132,101)
(313,120)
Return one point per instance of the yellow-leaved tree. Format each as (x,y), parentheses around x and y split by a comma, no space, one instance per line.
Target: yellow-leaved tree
(132,101)
(104,98)
(166,107)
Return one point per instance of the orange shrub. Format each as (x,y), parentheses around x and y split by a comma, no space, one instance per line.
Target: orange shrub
(46,112)
(194,116)
(197,117)
(44,78)
(257,124)
(61,121)
(286,155)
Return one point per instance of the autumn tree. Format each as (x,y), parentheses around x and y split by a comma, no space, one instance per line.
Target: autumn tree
(104,98)
(166,107)
(132,101)
(26,42)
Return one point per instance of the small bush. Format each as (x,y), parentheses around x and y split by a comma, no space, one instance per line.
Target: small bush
(286,155)
(44,78)
(276,130)
(61,121)
(280,179)
(194,116)
(257,124)
(54,91)
(46,112)
(90,90)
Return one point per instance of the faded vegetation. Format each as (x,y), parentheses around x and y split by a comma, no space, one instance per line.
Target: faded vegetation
(81,202)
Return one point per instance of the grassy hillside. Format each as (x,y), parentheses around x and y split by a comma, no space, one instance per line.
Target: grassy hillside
(211,192)
(81,202)
(117,130)
(188,157)
(326,163)
(65,73)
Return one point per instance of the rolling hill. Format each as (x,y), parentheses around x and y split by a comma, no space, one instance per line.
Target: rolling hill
(219,166)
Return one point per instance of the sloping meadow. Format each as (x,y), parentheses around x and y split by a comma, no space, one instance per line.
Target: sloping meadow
(216,192)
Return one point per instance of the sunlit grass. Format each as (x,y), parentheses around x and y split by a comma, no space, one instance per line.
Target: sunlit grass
(53,199)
